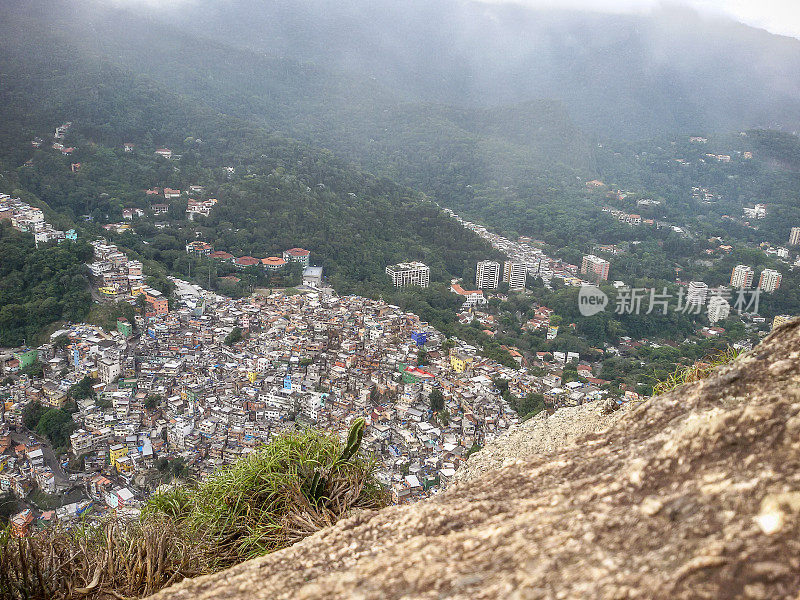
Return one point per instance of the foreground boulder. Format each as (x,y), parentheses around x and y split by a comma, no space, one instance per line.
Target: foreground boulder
(694,494)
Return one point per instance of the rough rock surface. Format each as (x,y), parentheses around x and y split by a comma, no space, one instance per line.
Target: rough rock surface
(541,434)
(695,494)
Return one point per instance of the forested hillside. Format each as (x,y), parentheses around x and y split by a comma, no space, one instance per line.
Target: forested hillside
(274,193)
(669,71)
(39,286)
(464,157)
(110,106)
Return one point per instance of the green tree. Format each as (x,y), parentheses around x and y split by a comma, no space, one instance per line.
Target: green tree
(436,400)
(233,337)
(152,401)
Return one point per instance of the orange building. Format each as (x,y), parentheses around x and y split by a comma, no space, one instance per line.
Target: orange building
(21,523)
(157,303)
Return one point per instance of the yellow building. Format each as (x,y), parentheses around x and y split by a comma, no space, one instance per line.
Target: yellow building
(460,362)
(780,320)
(124,464)
(116,452)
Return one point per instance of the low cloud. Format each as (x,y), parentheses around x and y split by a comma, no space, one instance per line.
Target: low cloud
(777,16)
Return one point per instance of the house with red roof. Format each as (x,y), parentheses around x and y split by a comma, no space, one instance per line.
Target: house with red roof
(273,263)
(298,255)
(221,255)
(246,261)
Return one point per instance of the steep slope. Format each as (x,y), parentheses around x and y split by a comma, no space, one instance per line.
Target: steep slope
(415,143)
(694,494)
(284,193)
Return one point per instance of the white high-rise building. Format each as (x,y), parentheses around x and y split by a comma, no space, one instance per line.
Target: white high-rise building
(487,276)
(515,274)
(794,237)
(718,309)
(697,293)
(409,273)
(742,277)
(770,280)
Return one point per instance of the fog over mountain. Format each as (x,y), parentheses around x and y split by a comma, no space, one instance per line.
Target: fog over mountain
(619,74)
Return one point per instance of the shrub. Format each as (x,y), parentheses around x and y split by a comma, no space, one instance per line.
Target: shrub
(275,496)
(696,372)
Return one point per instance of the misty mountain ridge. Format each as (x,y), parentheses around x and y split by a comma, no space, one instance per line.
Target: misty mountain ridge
(619,75)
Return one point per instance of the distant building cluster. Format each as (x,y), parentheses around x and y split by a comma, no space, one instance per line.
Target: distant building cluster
(115,276)
(759,211)
(300,256)
(30,219)
(742,277)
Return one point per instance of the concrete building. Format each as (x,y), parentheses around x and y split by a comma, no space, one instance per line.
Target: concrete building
(597,268)
(157,303)
(109,370)
(312,277)
(769,281)
(697,293)
(794,237)
(718,309)
(409,273)
(742,277)
(487,276)
(515,274)
(298,255)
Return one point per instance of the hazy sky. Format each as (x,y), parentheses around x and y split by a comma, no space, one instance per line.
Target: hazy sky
(777,16)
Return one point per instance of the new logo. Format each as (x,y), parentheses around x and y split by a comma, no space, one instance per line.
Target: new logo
(591,300)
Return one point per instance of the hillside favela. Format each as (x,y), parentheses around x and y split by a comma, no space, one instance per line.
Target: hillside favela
(451,299)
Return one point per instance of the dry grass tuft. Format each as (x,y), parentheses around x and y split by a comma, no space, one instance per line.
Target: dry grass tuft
(279,494)
(696,372)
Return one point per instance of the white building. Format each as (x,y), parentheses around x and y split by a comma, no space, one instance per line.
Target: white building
(409,273)
(697,293)
(487,276)
(718,309)
(794,237)
(742,277)
(515,274)
(109,370)
(770,280)
(312,277)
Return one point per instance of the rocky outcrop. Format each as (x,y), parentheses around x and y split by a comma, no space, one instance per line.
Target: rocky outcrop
(694,494)
(541,434)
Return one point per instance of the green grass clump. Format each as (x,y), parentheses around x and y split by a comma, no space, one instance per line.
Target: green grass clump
(696,372)
(273,497)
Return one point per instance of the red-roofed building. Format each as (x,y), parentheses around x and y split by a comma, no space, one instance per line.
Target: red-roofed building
(471,297)
(298,255)
(273,263)
(199,248)
(221,255)
(246,261)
